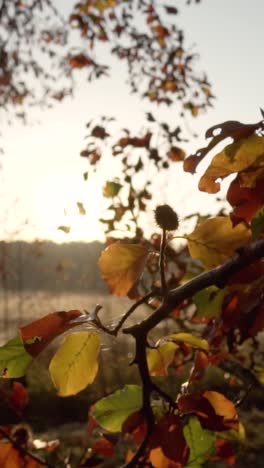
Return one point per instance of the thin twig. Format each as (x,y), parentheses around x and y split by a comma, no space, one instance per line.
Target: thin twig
(218,276)
(162,262)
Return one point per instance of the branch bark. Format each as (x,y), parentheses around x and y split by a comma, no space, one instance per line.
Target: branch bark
(218,276)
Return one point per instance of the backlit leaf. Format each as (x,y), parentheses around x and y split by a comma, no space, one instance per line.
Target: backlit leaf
(38,334)
(237,157)
(221,404)
(81,209)
(209,302)
(65,229)
(215,240)
(110,412)
(189,339)
(121,266)
(176,154)
(230,129)
(14,359)
(157,458)
(200,442)
(75,365)
(160,358)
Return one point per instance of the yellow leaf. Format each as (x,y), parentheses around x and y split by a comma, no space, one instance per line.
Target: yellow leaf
(189,339)
(121,266)
(239,156)
(160,358)
(74,366)
(215,240)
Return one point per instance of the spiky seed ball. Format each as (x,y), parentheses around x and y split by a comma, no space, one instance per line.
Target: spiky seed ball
(166,218)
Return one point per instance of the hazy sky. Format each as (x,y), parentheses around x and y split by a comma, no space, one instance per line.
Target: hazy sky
(42,170)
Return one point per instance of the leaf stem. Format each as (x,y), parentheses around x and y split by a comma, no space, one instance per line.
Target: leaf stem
(162,261)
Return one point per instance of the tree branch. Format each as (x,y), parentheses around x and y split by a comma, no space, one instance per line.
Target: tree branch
(218,276)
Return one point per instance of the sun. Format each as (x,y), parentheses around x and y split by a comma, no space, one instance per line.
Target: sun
(56,204)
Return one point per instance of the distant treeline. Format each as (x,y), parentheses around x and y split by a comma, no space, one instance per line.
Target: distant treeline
(44,265)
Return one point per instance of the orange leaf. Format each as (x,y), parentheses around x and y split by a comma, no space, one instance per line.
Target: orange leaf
(176,154)
(11,458)
(38,334)
(121,266)
(158,459)
(222,406)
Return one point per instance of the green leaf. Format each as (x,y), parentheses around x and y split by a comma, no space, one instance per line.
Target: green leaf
(75,365)
(257,223)
(209,302)
(14,359)
(200,442)
(112,411)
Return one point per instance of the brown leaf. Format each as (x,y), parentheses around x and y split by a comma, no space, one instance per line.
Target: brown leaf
(38,334)
(218,133)
(176,154)
(240,157)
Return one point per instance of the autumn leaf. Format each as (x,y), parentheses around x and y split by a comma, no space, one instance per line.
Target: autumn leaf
(79,61)
(160,358)
(65,229)
(10,457)
(121,266)
(214,410)
(157,458)
(222,406)
(75,365)
(246,201)
(188,339)
(215,240)
(19,397)
(38,334)
(236,130)
(247,154)
(81,209)
(167,431)
(111,189)
(176,154)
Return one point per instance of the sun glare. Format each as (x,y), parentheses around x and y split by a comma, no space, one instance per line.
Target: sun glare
(57,206)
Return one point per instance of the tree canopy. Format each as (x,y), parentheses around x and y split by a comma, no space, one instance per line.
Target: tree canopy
(207,285)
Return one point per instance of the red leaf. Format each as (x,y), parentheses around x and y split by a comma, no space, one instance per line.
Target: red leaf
(38,334)
(168,435)
(104,447)
(19,397)
(245,201)
(79,61)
